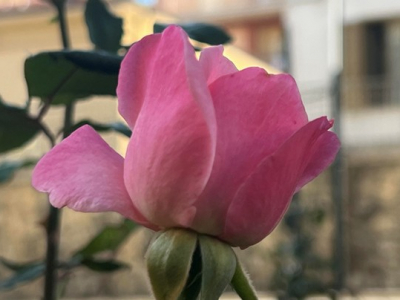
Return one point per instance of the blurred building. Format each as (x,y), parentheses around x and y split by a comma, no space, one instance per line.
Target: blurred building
(312,39)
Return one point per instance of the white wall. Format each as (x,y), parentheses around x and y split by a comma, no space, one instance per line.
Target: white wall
(369,10)
(306,25)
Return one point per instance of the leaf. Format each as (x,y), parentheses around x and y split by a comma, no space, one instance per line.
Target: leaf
(115,126)
(103,265)
(62,77)
(201,32)
(8,168)
(16,266)
(109,239)
(23,275)
(16,127)
(105,29)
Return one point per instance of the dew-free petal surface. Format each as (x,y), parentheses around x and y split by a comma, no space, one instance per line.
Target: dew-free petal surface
(264,197)
(256,113)
(325,150)
(85,174)
(133,84)
(171,151)
(214,64)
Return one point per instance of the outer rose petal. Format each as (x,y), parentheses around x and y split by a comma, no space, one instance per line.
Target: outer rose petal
(256,113)
(132,84)
(325,150)
(215,64)
(85,174)
(171,151)
(264,197)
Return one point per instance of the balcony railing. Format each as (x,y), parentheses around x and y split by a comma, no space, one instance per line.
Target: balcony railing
(370,115)
(370,92)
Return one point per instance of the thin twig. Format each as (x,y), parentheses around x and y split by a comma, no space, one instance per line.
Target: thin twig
(50,98)
(28,103)
(53,224)
(48,134)
(44,109)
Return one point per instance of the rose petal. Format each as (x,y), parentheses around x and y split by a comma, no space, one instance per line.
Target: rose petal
(214,64)
(132,79)
(171,151)
(264,197)
(255,113)
(85,174)
(325,150)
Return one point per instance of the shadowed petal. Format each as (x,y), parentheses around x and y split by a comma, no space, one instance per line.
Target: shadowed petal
(264,197)
(256,113)
(171,151)
(215,64)
(85,174)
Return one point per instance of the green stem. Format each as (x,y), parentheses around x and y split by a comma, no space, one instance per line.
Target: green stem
(53,223)
(53,238)
(49,135)
(241,284)
(62,21)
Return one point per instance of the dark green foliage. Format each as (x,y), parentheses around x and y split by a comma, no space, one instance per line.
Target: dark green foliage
(16,266)
(8,168)
(16,127)
(201,32)
(23,273)
(115,126)
(105,266)
(105,29)
(108,239)
(62,77)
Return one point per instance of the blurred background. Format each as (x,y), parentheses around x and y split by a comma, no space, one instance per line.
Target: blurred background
(342,231)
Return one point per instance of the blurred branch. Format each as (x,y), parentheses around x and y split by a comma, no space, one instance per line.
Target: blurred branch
(48,134)
(53,224)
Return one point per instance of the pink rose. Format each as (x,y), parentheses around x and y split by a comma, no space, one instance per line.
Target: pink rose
(213,149)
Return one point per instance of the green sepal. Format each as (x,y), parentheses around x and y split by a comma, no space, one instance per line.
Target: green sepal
(169,259)
(218,267)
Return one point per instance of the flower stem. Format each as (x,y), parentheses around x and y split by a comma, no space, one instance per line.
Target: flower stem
(60,6)
(241,284)
(53,237)
(53,222)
